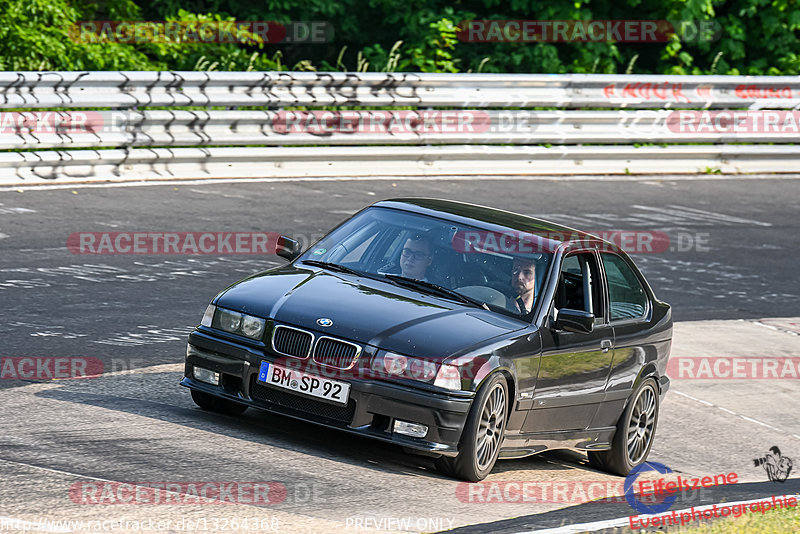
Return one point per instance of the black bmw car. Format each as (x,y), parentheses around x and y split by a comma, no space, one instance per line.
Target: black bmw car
(457,331)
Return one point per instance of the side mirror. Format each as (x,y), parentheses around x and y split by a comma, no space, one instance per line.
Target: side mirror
(577,321)
(287,247)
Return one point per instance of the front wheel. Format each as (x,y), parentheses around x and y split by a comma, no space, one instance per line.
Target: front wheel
(483,434)
(636,429)
(215,404)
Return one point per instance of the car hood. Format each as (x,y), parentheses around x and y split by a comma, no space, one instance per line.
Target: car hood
(366,311)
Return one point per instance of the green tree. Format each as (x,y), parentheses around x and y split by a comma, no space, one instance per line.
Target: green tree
(743,37)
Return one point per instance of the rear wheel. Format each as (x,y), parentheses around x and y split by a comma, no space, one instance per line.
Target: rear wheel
(483,434)
(215,404)
(636,429)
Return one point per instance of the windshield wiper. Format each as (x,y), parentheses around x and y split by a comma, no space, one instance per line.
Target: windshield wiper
(333,267)
(435,288)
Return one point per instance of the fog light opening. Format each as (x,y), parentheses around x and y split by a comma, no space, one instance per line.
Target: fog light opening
(206,375)
(415,430)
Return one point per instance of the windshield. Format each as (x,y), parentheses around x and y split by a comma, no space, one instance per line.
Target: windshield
(384,241)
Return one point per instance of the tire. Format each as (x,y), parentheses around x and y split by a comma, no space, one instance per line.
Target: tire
(636,429)
(483,434)
(215,404)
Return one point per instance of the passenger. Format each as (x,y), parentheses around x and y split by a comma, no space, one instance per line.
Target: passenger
(416,257)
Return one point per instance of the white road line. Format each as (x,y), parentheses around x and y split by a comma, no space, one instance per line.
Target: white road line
(775,328)
(57,471)
(720,216)
(217,193)
(538,178)
(625,521)
(16,211)
(13,523)
(698,215)
(754,421)
(749,419)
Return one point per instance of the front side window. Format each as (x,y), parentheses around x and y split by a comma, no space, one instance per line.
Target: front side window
(627,296)
(579,285)
(384,241)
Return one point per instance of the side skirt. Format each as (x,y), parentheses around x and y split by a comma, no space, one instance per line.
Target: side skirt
(522,445)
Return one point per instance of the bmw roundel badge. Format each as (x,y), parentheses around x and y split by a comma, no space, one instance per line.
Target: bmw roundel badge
(324,321)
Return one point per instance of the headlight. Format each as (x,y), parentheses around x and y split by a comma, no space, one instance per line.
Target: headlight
(239,323)
(230,321)
(389,365)
(252,326)
(208,316)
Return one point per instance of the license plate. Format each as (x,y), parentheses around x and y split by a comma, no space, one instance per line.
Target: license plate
(300,382)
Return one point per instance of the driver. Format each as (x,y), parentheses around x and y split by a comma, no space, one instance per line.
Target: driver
(416,257)
(523,283)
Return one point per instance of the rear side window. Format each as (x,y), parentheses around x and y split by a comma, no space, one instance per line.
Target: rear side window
(626,294)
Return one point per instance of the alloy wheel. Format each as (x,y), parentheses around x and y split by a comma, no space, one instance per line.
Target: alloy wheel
(641,425)
(490,428)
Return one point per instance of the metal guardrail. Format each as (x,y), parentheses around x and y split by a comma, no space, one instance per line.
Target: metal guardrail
(141,89)
(161,128)
(277,162)
(457,111)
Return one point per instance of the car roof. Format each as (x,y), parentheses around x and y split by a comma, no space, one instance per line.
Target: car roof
(494,219)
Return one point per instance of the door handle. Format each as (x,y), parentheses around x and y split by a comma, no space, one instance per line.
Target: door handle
(605,344)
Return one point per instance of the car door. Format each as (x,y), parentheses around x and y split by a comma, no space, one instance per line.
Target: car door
(629,312)
(574,366)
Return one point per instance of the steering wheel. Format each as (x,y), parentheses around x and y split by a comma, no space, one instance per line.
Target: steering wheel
(485,294)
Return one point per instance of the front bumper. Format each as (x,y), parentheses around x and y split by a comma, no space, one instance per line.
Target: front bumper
(371,410)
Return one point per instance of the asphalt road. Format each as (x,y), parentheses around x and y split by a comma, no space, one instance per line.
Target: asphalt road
(732,249)
(743,236)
